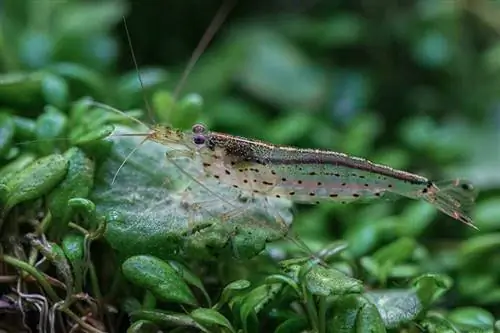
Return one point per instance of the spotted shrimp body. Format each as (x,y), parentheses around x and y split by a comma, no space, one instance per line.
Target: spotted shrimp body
(311,175)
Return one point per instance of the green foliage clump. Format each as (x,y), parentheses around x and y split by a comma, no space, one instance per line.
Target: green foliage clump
(413,87)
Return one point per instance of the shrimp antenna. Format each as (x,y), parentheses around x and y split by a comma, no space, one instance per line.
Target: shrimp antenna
(127,158)
(112,109)
(134,59)
(214,26)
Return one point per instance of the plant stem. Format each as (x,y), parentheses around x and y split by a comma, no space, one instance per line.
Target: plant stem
(23,266)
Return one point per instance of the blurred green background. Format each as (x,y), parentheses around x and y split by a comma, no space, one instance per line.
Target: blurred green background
(411,84)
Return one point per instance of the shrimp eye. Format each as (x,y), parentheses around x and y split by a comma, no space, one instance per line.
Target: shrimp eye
(199,139)
(198,128)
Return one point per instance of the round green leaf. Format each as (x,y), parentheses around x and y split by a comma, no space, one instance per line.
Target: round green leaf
(395,306)
(470,318)
(55,90)
(323,281)
(20,163)
(430,287)
(20,88)
(158,277)
(353,313)
(50,125)
(35,180)
(437,324)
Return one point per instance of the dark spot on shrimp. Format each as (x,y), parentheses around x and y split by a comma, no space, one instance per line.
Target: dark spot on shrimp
(354,175)
(377,194)
(425,190)
(334,195)
(467,187)
(255,191)
(283,179)
(245,181)
(320,183)
(317,202)
(366,184)
(312,194)
(389,186)
(267,183)
(291,193)
(355,195)
(206,165)
(255,180)
(277,196)
(228,172)
(235,186)
(233,162)
(337,175)
(312,173)
(361,176)
(299,181)
(216,176)
(240,170)
(343,184)
(273,172)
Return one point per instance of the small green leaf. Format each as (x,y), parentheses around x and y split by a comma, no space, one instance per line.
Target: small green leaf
(323,281)
(487,214)
(20,88)
(93,136)
(429,287)
(435,323)
(211,317)
(158,277)
(80,78)
(232,289)
(7,132)
(188,111)
(279,278)
(353,313)
(478,246)
(87,208)
(384,260)
(19,164)
(166,319)
(55,90)
(256,299)
(142,326)
(190,277)
(73,245)
(333,250)
(50,125)
(471,318)
(35,180)
(395,306)
(130,304)
(293,325)
(129,89)
(77,184)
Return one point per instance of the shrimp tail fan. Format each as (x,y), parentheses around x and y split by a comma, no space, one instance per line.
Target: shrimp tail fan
(455,198)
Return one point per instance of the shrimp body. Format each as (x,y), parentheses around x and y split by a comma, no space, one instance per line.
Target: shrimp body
(311,175)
